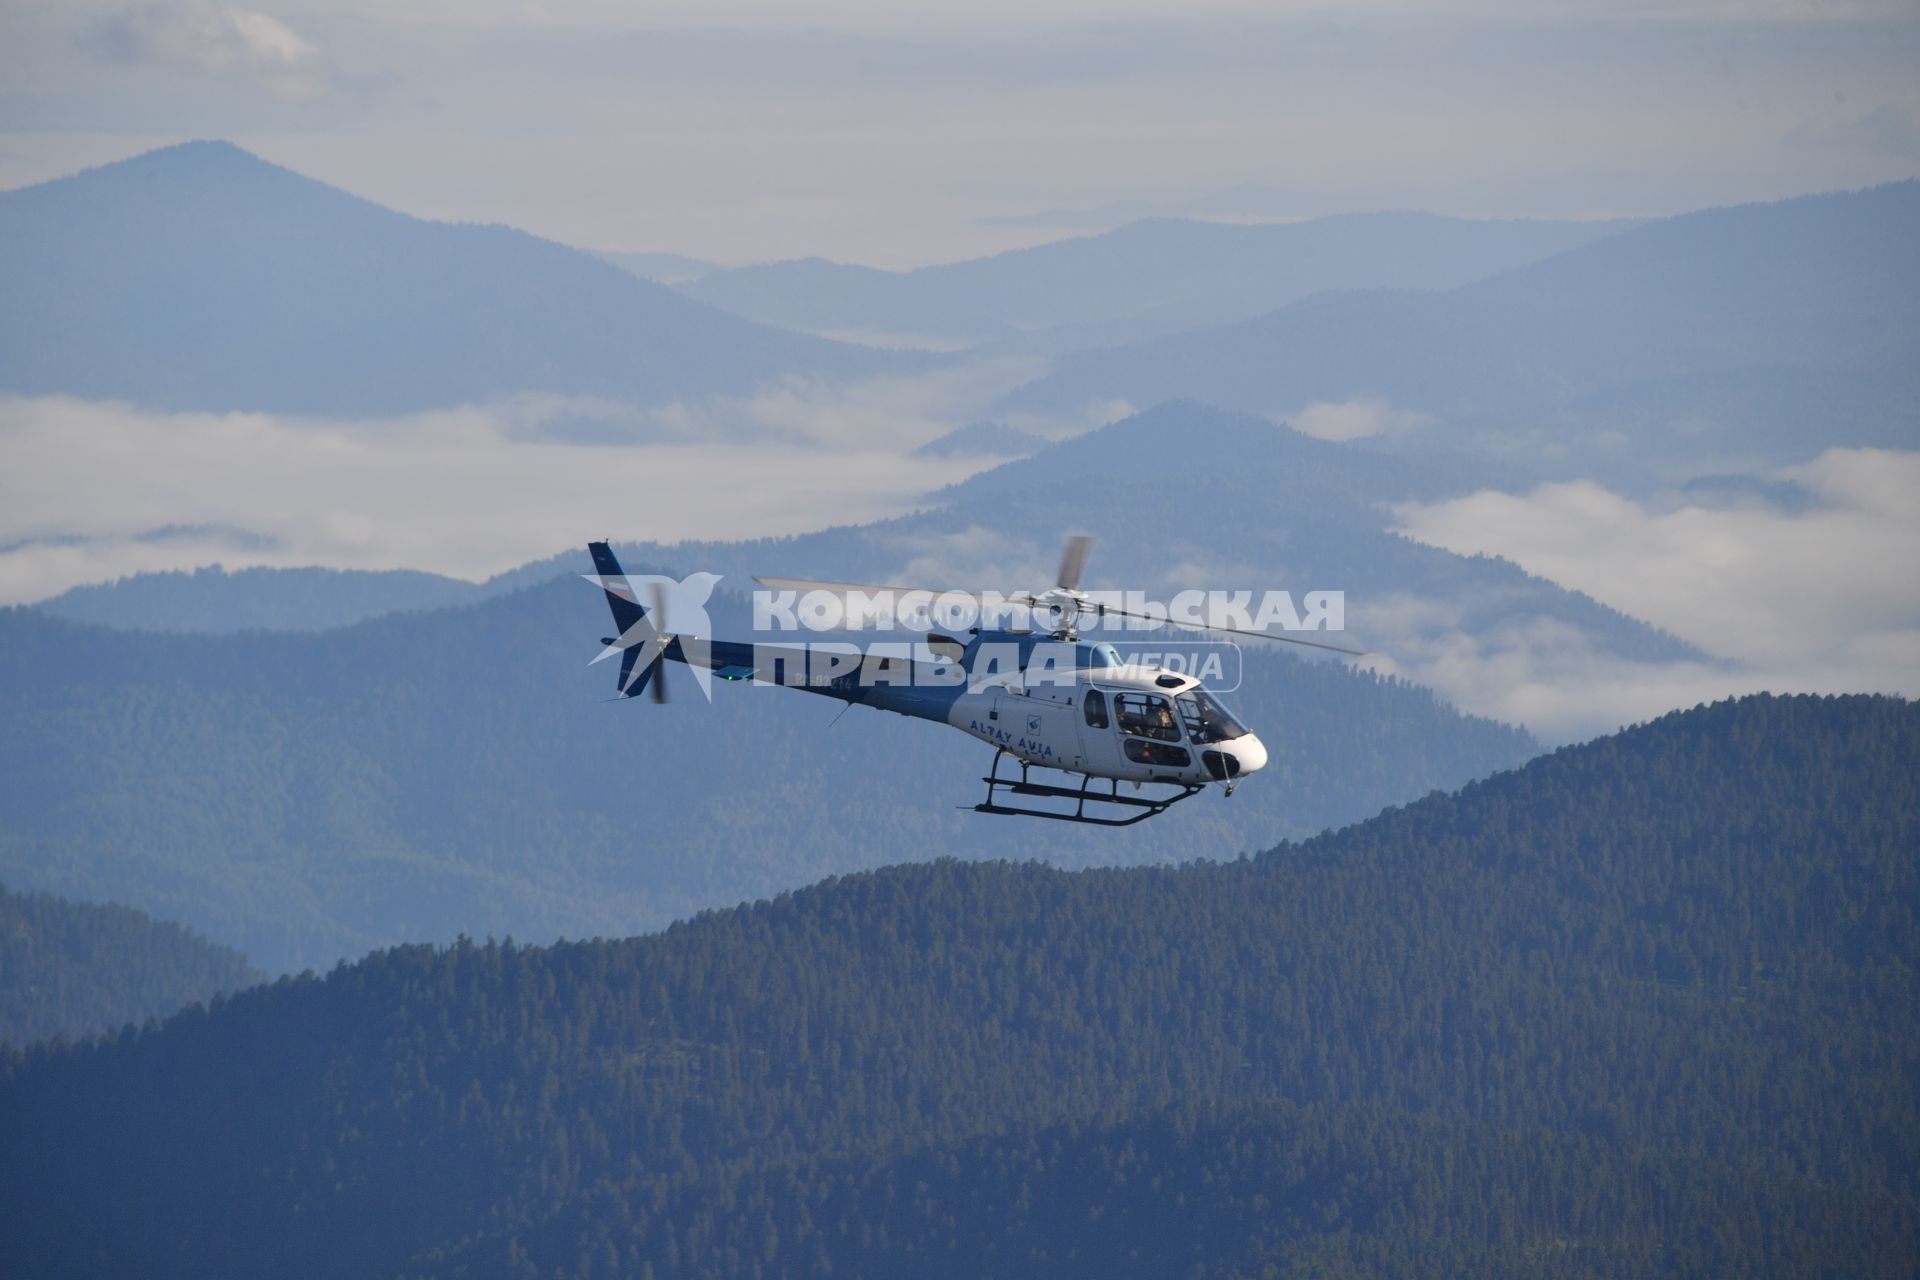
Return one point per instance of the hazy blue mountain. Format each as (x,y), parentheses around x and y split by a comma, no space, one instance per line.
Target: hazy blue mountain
(1154,276)
(985,440)
(216,600)
(1720,340)
(1644,1007)
(78,969)
(1199,447)
(201,277)
(308,796)
(662,268)
(1185,496)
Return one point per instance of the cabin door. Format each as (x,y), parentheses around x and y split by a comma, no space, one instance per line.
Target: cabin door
(1043,726)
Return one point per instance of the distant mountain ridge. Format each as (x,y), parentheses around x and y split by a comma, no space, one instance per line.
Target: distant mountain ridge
(983,439)
(1153,276)
(212,599)
(1730,339)
(201,277)
(662,268)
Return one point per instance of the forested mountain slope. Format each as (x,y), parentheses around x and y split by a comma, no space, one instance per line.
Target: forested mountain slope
(1644,1006)
(308,797)
(77,968)
(212,599)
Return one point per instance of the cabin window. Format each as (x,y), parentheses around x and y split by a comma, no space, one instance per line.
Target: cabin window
(1095,709)
(1157,753)
(1147,715)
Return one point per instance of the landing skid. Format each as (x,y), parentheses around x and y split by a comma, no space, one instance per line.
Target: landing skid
(1082,795)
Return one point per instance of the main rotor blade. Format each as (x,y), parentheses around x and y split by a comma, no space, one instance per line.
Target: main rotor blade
(1073,561)
(1108,610)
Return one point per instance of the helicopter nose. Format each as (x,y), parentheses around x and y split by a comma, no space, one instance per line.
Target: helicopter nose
(1235,758)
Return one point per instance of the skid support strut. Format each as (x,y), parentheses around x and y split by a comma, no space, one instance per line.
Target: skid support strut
(1128,809)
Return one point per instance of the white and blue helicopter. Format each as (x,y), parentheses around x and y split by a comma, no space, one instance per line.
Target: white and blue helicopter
(1039,694)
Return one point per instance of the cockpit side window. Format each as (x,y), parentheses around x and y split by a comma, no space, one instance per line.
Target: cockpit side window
(1206,719)
(1146,715)
(1095,709)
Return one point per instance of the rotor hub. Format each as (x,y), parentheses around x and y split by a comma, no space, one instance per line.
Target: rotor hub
(1058,611)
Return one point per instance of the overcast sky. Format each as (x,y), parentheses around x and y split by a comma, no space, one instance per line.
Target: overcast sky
(896,134)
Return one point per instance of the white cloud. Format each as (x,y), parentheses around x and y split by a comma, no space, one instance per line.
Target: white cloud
(1822,599)
(977,558)
(887,412)
(468,492)
(1543,674)
(204,37)
(1354,419)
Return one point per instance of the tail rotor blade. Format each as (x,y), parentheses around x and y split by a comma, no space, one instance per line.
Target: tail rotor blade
(1073,560)
(635,664)
(659,663)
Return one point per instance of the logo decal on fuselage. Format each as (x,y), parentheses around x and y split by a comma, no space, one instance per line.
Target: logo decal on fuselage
(1019,745)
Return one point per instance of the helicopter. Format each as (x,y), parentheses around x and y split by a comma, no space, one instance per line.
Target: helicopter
(1040,695)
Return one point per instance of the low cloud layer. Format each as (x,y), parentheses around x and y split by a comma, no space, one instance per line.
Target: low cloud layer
(1821,597)
(890,412)
(91,492)
(1354,419)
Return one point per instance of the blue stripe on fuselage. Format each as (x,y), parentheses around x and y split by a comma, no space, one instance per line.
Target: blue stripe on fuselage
(925,701)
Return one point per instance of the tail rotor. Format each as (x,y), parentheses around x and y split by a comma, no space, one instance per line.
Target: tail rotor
(658,674)
(641,644)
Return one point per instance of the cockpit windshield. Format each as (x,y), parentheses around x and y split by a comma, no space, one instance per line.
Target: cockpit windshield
(1206,719)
